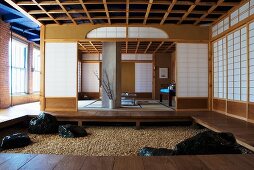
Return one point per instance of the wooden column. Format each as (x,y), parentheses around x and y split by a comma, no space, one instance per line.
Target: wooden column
(42,78)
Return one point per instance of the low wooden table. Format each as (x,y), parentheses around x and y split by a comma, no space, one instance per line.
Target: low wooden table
(129,97)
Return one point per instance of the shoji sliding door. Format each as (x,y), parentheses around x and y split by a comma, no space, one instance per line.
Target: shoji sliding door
(251,62)
(61,76)
(220,69)
(237,65)
(192,76)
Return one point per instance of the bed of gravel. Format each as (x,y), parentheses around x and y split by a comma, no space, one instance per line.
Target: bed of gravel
(109,141)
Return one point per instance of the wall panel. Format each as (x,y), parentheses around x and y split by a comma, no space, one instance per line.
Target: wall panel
(60,104)
(251,111)
(128,77)
(236,108)
(199,103)
(219,105)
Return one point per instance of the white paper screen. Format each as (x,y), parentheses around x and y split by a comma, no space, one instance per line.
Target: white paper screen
(60,69)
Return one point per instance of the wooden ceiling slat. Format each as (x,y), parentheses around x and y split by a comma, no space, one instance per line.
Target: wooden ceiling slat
(148,11)
(137,47)
(66,12)
(106,10)
(94,47)
(169,47)
(86,11)
(168,11)
(159,46)
(209,11)
(148,46)
(127,11)
(191,8)
(84,47)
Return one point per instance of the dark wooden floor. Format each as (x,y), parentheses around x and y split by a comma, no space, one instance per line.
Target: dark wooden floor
(243,131)
(47,162)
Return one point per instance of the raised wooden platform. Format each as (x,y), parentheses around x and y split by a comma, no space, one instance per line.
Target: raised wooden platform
(243,131)
(47,162)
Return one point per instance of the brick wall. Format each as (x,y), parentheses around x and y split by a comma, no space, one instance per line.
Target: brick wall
(4,65)
(5,98)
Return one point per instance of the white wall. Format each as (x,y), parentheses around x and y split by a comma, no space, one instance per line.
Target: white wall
(192,70)
(90,82)
(60,69)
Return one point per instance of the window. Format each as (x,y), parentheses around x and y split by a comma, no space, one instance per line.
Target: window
(18,66)
(36,70)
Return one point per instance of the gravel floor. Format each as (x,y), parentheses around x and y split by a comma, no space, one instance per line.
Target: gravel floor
(109,141)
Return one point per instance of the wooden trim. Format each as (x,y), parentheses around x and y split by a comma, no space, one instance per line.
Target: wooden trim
(129,39)
(192,110)
(77,78)
(154,78)
(42,76)
(248,68)
(210,75)
(60,104)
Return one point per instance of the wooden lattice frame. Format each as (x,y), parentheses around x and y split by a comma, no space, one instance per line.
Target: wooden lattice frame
(196,12)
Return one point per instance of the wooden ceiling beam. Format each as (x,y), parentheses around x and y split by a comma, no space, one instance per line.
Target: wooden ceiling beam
(127,11)
(84,47)
(159,46)
(66,12)
(191,8)
(94,46)
(106,10)
(169,47)
(86,11)
(209,12)
(168,11)
(126,46)
(230,4)
(136,50)
(35,1)
(148,46)
(149,6)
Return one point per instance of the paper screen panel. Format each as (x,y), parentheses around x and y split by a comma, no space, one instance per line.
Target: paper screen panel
(143,77)
(192,70)
(90,83)
(60,70)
